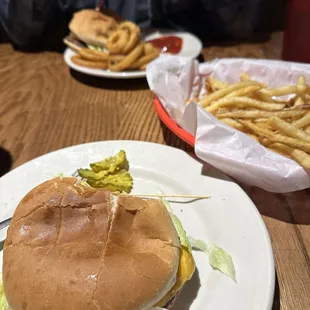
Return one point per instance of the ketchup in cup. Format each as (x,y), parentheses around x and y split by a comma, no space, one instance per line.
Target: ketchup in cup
(296,43)
(168,44)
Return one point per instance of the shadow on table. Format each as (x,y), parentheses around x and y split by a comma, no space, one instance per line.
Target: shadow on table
(1,245)
(276,299)
(188,293)
(112,84)
(5,161)
(210,171)
(173,140)
(292,207)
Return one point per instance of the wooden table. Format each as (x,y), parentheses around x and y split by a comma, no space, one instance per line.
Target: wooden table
(44,107)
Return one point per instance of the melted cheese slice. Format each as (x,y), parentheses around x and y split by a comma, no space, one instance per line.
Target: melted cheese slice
(186,269)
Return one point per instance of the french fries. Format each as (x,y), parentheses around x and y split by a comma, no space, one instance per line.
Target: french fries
(288,129)
(244,76)
(257,114)
(244,91)
(224,91)
(244,102)
(301,86)
(231,122)
(283,126)
(280,91)
(276,137)
(299,102)
(264,97)
(302,122)
(300,156)
(214,84)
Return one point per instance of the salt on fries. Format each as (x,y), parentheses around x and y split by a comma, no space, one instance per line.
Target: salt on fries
(283,126)
(125,51)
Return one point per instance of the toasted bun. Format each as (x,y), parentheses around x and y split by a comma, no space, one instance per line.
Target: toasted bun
(92,27)
(74,247)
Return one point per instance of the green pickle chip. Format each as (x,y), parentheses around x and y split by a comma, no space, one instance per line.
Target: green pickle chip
(112,163)
(121,182)
(111,173)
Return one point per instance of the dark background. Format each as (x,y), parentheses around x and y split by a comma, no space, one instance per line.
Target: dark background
(272,18)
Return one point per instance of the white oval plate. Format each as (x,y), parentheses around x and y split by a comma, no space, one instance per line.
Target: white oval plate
(191,48)
(228,218)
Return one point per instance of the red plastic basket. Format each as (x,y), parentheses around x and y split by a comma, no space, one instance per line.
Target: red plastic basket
(171,124)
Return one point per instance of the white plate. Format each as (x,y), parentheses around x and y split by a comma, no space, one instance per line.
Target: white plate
(228,218)
(191,48)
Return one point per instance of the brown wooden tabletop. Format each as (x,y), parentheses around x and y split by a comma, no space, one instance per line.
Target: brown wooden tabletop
(44,107)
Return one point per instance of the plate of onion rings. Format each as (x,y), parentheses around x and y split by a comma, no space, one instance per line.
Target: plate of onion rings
(123,52)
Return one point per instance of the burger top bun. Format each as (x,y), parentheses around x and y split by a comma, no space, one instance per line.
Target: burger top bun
(92,27)
(70,246)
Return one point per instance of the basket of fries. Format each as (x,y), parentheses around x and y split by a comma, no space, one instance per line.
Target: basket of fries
(250,118)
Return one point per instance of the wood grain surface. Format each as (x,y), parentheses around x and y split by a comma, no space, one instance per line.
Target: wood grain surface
(44,106)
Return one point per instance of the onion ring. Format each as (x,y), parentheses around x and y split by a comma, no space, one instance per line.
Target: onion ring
(117,57)
(117,41)
(78,60)
(130,26)
(92,55)
(143,61)
(134,35)
(148,48)
(128,60)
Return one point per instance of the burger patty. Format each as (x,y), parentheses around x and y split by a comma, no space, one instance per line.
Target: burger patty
(170,303)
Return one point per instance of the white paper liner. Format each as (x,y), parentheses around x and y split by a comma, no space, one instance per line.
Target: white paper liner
(175,79)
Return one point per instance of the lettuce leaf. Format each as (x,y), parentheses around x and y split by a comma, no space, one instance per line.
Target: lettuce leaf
(166,203)
(181,232)
(3,302)
(95,48)
(178,226)
(218,258)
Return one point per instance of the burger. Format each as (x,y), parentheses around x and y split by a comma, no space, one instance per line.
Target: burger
(71,246)
(91,27)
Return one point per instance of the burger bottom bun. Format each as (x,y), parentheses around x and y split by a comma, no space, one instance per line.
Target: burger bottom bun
(74,247)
